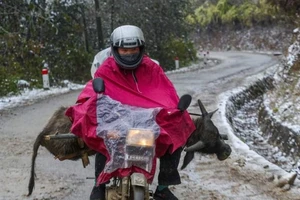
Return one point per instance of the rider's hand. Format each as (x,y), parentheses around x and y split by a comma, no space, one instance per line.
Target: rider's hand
(113,135)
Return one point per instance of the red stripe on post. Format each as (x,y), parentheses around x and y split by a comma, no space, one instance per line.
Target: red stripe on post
(45,71)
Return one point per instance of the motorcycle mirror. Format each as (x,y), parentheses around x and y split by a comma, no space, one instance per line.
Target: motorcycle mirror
(184,102)
(98,85)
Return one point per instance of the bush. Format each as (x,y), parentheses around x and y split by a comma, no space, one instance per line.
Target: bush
(24,60)
(8,86)
(178,47)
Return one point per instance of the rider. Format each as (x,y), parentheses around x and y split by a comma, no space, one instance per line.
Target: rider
(133,78)
(101,56)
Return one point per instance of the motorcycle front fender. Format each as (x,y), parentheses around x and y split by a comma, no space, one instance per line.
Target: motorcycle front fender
(138,179)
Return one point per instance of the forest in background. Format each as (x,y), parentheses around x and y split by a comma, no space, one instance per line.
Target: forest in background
(64,35)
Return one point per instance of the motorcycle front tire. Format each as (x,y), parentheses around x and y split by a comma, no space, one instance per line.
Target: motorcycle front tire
(137,193)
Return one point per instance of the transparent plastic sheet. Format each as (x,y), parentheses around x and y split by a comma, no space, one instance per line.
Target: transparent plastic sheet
(115,120)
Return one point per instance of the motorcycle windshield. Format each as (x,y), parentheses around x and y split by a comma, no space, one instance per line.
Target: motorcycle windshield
(128,132)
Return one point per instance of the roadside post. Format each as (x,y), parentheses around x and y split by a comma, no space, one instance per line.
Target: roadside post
(204,58)
(45,76)
(176,62)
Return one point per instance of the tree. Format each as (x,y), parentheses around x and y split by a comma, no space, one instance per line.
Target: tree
(99,26)
(62,34)
(38,32)
(288,6)
(161,22)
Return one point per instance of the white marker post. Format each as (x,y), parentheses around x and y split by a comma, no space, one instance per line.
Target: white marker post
(176,62)
(204,59)
(45,75)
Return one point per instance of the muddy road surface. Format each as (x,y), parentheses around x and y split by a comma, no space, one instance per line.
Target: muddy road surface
(244,175)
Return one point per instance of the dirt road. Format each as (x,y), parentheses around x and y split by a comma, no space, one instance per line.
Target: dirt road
(245,175)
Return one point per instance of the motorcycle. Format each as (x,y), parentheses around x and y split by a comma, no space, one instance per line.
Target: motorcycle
(129,135)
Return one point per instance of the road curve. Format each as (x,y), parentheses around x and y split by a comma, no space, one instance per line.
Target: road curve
(204,178)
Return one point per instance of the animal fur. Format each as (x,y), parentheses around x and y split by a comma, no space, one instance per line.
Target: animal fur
(62,149)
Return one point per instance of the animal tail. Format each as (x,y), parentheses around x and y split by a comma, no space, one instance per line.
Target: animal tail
(36,146)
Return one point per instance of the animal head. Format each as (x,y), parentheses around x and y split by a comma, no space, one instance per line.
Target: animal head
(206,138)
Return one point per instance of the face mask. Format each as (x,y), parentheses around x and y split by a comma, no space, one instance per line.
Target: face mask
(130,57)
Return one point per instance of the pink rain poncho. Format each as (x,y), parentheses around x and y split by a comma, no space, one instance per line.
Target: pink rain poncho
(146,87)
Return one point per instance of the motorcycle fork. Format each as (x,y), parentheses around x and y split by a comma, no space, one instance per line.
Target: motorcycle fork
(118,190)
(125,188)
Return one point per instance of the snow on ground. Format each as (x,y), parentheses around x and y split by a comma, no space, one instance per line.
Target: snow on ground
(31,96)
(284,102)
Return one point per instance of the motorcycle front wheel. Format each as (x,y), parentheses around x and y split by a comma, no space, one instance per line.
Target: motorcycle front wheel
(137,193)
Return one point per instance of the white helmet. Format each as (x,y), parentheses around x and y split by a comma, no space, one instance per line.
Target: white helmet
(127,36)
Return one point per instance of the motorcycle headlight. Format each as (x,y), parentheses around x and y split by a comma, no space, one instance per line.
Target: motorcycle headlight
(140,137)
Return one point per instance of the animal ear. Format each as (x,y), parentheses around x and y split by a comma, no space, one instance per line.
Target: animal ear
(189,156)
(211,113)
(202,108)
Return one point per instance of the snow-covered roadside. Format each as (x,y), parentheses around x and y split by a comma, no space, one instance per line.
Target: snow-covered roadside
(283,104)
(30,96)
(252,161)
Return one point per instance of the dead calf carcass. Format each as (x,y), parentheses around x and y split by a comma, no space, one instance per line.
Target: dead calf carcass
(56,138)
(205,139)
